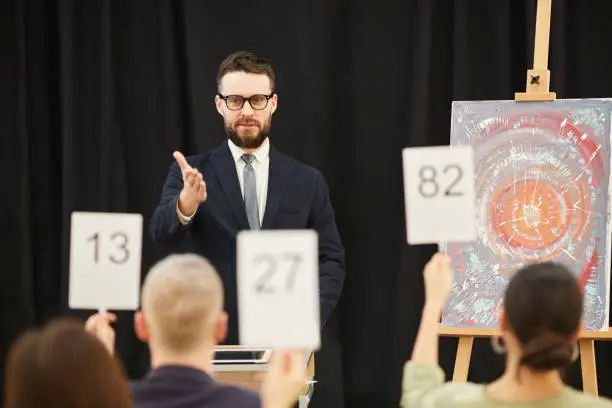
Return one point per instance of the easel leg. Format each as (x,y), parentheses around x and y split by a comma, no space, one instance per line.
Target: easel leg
(589,369)
(462,362)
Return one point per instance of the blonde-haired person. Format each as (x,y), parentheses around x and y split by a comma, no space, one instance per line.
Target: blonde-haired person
(540,323)
(182,320)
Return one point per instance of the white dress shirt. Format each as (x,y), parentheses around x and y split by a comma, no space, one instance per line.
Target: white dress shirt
(261,165)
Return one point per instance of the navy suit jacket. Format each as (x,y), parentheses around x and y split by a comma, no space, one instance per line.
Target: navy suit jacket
(176,386)
(298,198)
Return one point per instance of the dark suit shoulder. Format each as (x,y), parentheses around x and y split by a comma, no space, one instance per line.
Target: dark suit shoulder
(199,160)
(298,166)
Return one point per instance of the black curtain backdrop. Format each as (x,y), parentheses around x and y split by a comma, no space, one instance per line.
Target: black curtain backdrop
(95,95)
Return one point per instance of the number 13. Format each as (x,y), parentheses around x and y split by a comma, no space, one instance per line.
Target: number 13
(122,246)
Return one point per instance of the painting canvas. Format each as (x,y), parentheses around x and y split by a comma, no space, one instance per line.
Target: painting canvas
(542,177)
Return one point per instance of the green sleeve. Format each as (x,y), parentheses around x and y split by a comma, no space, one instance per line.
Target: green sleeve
(424,385)
(418,382)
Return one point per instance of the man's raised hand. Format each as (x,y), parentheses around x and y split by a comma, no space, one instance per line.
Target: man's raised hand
(194,187)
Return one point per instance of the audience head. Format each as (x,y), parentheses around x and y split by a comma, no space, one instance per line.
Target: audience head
(542,316)
(182,306)
(61,365)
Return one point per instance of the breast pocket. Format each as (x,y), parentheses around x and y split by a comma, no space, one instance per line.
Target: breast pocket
(292,217)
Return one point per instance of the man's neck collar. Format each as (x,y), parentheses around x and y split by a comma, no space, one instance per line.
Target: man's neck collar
(260,153)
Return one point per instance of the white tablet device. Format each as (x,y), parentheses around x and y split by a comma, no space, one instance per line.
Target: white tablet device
(241,356)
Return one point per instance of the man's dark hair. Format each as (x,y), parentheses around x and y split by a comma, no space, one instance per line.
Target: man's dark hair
(245,61)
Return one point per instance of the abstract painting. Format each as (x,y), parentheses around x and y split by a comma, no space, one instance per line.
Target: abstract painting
(542,179)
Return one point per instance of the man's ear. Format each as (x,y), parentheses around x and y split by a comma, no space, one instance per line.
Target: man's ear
(220,330)
(141,328)
(219,104)
(274,102)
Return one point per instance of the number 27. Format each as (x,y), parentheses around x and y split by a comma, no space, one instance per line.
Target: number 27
(262,284)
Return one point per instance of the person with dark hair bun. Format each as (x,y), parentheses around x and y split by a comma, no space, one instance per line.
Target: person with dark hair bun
(540,326)
(543,308)
(63,366)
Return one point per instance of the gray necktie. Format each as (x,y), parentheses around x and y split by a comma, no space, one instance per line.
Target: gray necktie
(250,192)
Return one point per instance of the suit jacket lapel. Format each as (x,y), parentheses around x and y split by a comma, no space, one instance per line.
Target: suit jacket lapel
(225,169)
(277,178)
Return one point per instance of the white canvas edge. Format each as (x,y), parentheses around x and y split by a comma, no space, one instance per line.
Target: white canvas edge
(540,102)
(608,238)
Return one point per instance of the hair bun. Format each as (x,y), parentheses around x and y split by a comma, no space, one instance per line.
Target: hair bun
(547,351)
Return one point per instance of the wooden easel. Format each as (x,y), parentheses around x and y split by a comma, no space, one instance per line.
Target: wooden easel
(538,78)
(537,90)
(586,344)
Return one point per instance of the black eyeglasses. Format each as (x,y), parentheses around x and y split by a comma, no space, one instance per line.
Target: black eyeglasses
(236,102)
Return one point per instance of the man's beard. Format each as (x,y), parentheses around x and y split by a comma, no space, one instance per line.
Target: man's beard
(250,141)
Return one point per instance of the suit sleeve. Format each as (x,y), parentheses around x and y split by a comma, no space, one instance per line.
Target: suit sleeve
(165,227)
(331,251)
